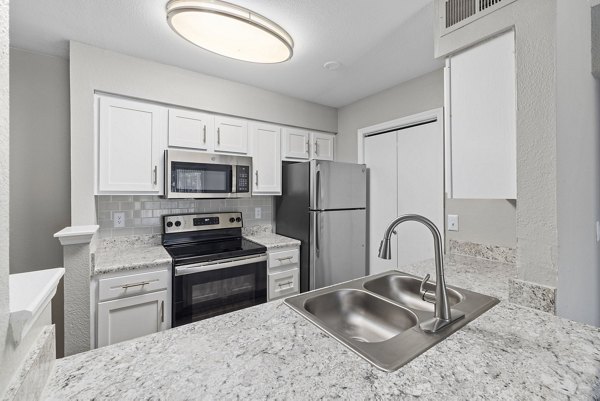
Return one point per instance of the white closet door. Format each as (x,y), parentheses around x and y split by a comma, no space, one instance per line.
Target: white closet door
(420,189)
(381,160)
(406,175)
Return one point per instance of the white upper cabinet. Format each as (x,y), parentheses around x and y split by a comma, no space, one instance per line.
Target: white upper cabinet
(231,135)
(295,144)
(131,140)
(266,159)
(322,146)
(481,121)
(191,129)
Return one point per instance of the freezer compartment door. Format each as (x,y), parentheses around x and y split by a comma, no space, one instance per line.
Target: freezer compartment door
(336,185)
(337,249)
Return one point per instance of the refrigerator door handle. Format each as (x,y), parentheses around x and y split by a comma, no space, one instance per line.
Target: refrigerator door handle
(318,194)
(318,228)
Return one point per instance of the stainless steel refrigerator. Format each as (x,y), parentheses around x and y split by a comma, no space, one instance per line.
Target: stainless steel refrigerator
(323,204)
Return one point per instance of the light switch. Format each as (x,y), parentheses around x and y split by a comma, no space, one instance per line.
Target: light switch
(452,222)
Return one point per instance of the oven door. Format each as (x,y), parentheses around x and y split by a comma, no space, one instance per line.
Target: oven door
(215,288)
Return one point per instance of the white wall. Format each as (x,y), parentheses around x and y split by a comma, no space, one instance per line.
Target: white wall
(40,193)
(6,370)
(534,22)
(98,69)
(578,143)
(483,221)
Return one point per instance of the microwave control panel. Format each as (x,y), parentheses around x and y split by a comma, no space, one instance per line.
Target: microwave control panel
(243,178)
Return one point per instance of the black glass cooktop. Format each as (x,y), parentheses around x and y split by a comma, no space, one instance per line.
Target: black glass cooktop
(205,251)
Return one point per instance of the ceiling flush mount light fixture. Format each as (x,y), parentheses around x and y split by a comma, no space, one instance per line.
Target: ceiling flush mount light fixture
(230,30)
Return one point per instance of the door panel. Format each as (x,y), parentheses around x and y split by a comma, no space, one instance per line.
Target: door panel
(322,146)
(190,129)
(295,144)
(381,160)
(266,159)
(338,185)
(420,189)
(232,135)
(338,247)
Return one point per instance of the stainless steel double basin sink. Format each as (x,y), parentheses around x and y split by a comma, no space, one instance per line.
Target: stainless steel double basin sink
(378,316)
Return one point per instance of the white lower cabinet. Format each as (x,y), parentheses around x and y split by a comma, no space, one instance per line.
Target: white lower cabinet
(128,318)
(131,305)
(284,273)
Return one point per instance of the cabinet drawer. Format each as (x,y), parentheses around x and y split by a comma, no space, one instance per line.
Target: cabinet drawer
(283,258)
(133,284)
(283,284)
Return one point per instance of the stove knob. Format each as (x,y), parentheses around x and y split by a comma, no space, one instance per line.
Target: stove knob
(169,224)
(238,219)
(177,223)
(231,220)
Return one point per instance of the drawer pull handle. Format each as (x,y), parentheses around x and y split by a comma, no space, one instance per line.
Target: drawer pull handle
(143,283)
(288,284)
(284,259)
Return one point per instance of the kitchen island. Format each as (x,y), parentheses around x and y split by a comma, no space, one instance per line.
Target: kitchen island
(269,351)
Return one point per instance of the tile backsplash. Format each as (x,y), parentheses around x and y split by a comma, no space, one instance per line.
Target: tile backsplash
(143,213)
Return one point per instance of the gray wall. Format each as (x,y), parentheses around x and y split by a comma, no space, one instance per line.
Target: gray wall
(578,143)
(489,222)
(97,69)
(40,166)
(534,22)
(5,354)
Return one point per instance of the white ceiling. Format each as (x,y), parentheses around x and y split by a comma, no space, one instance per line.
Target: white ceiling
(380,43)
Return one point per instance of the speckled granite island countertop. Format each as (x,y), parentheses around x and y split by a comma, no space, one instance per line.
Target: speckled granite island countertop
(270,352)
(128,254)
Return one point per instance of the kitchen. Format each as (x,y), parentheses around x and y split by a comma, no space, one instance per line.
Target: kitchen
(415,128)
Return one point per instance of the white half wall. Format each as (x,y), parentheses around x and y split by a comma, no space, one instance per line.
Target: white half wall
(578,165)
(94,69)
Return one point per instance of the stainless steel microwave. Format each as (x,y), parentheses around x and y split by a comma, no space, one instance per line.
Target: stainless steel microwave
(190,174)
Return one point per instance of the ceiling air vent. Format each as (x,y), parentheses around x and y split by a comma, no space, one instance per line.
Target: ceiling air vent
(458,13)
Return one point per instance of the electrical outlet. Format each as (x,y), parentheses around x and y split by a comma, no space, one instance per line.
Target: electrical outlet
(257,212)
(119,219)
(452,222)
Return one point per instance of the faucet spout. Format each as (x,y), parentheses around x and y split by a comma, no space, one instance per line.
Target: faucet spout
(442,315)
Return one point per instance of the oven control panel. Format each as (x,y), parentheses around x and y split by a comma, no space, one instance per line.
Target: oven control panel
(201,222)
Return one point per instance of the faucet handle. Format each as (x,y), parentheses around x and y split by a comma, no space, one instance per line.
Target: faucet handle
(426,296)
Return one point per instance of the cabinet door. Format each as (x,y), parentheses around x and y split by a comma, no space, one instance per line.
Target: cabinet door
(481,109)
(322,146)
(128,318)
(266,161)
(232,135)
(295,144)
(132,138)
(191,129)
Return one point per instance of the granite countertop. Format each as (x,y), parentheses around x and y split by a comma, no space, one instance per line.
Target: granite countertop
(269,351)
(273,241)
(129,253)
(263,234)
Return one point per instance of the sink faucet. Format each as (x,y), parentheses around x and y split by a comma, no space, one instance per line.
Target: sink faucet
(443,316)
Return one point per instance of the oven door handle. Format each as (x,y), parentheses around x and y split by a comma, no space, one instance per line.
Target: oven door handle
(212,265)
